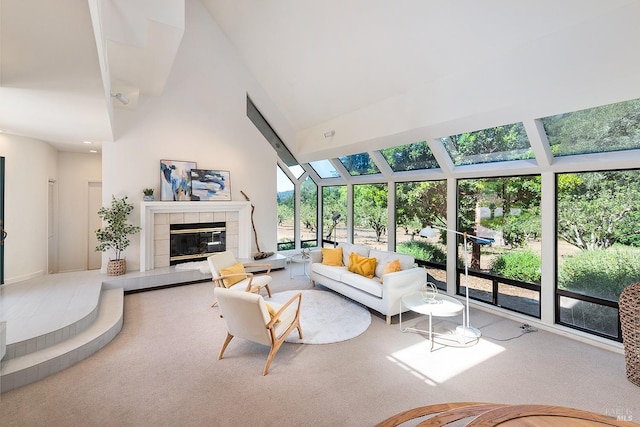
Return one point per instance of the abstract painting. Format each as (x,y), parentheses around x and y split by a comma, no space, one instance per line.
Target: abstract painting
(207,184)
(175,180)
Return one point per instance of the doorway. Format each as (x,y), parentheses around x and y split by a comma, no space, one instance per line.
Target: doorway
(3,233)
(52,227)
(94,259)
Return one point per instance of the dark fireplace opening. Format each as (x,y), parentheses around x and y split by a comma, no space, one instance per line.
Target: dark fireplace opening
(195,242)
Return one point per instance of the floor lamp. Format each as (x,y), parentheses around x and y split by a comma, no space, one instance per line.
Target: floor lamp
(335,217)
(466,330)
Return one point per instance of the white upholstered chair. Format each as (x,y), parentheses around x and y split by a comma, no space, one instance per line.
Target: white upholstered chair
(247,316)
(221,263)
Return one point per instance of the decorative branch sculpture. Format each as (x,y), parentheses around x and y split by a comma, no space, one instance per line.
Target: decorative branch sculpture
(260,254)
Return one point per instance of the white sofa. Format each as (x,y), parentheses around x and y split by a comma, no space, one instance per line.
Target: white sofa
(383,297)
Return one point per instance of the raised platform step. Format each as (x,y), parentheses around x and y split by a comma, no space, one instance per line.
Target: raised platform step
(135,281)
(36,365)
(44,311)
(52,322)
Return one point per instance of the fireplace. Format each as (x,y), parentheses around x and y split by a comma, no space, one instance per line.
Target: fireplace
(157,217)
(196,241)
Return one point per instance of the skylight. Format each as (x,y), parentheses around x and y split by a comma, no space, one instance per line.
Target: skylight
(324,169)
(496,144)
(611,127)
(359,164)
(410,157)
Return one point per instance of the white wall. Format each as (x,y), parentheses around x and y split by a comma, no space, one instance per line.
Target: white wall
(29,164)
(200,117)
(75,171)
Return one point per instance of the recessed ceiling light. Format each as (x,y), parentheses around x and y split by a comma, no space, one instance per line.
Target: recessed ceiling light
(86,142)
(93,151)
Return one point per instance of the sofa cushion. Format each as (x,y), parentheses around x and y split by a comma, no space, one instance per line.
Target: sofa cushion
(332,256)
(331,272)
(347,248)
(385,257)
(370,286)
(391,267)
(362,265)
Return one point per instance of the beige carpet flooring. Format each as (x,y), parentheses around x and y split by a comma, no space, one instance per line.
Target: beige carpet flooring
(161,370)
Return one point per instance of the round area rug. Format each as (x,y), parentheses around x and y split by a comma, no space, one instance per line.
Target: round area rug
(326,317)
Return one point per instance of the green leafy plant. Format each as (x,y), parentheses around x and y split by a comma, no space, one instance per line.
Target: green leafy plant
(518,265)
(423,251)
(115,235)
(148,191)
(601,273)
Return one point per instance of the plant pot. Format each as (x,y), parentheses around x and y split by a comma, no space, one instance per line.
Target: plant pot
(149,198)
(116,267)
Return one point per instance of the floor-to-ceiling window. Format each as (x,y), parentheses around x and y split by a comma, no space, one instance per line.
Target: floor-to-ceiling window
(420,204)
(286,211)
(598,251)
(494,183)
(598,215)
(370,215)
(505,265)
(308,213)
(334,214)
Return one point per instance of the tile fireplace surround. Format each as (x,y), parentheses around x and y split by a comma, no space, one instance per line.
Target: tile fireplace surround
(156,217)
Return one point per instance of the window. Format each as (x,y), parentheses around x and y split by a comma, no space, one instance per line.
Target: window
(497,144)
(598,247)
(610,127)
(419,204)
(596,223)
(308,213)
(370,215)
(296,171)
(334,216)
(286,211)
(504,267)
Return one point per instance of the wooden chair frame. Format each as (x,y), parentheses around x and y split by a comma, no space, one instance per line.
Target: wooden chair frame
(276,342)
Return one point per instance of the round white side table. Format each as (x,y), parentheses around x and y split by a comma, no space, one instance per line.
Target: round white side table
(440,306)
(299,259)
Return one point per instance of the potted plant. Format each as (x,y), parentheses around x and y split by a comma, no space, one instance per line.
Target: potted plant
(115,235)
(148,195)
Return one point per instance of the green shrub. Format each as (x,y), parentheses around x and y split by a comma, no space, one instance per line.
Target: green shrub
(423,251)
(602,273)
(518,265)
(285,246)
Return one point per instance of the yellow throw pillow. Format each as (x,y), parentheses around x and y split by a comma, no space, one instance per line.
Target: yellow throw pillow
(271,311)
(362,265)
(391,267)
(236,268)
(332,257)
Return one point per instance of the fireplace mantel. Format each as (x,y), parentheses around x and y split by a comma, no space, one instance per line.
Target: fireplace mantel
(147,223)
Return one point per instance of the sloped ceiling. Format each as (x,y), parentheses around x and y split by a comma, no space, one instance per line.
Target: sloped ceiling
(367,68)
(324,64)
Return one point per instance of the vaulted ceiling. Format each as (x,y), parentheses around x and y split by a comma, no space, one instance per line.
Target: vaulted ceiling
(322,63)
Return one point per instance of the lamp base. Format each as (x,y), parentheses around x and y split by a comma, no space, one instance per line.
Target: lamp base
(468,331)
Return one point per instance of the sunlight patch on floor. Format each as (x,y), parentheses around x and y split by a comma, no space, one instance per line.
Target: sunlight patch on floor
(444,362)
